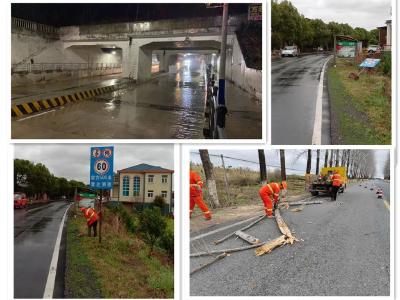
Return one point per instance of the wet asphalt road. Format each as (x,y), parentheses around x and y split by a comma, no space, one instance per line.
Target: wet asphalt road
(35,233)
(346,251)
(169,107)
(294,85)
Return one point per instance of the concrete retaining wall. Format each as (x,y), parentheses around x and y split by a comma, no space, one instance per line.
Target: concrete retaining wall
(246,78)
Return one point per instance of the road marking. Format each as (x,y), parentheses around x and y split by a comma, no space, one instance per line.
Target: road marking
(316,138)
(37,115)
(386,204)
(51,277)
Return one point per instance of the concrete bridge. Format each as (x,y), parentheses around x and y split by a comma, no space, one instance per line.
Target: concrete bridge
(133,44)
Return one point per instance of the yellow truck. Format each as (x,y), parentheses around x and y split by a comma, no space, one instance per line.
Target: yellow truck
(323,185)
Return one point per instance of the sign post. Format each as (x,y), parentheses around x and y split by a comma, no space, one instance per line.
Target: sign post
(101,173)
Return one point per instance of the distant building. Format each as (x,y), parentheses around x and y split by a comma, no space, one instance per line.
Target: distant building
(140,184)
(385,36)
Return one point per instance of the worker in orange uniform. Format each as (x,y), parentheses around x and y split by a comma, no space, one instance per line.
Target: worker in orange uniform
(336,184)
(91,218)
(269,194)
(196,195)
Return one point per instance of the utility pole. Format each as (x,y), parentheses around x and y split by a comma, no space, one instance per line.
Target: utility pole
(100,214)
(221,108)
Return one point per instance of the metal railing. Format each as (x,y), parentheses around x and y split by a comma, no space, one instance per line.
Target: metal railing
(60,67)
(210,130)
(33,26)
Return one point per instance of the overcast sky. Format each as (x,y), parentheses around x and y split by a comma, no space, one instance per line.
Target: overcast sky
(367,14)
(72,161)
(293,165)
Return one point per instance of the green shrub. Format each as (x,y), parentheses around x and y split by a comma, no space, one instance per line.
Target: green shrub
(159,201)
(126,217)
(386,65)
(167,242)
(152,225)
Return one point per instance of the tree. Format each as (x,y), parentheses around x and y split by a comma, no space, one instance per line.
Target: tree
(211,184)
(386,168)
(283,164)
(152,226)
(326,158)
(331,159)
(317,164)
(263,166)
(309,157)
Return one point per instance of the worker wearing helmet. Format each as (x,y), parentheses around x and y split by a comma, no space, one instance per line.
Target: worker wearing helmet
(336,184)
(196,195)
(91,219)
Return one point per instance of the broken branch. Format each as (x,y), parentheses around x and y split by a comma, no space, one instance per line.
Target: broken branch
(221,256)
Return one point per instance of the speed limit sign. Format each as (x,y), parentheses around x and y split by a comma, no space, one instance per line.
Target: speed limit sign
(101,167)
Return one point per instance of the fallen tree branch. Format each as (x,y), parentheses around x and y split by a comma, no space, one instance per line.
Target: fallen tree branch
(302,203)
(242,229)
(284,228)
(221,256)
(268,247)
(204,253)
(247,237)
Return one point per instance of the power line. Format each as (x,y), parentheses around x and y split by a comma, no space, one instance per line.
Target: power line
(248,161)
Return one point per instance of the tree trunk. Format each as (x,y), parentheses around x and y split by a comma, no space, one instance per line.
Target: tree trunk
(326,158)
(337,158)
(283,164)
(308,170)
(210,180)
(263,166)
(331,159)
(348,162)
(317,164)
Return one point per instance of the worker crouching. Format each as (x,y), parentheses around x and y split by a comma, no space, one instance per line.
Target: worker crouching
(91,218)
(196,195)
(269,194)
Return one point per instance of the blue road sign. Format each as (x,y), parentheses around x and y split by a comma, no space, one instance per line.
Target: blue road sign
(370,63)
(102,167)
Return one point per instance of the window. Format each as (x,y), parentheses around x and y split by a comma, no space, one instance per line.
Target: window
(150,194)
(125,186)
(164,194)
(164,178)
(136,186)
(150,178)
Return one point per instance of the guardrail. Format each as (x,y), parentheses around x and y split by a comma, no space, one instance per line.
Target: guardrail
(60,67)
(33,26)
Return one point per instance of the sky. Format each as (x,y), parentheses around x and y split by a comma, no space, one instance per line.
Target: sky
(72,161)
(62,14)
(367,14)
(294,164)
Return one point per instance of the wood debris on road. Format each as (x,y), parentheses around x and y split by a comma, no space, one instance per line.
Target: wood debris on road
(268,247)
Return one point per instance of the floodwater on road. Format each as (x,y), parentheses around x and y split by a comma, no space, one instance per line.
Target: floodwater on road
(170,106)
(35,233)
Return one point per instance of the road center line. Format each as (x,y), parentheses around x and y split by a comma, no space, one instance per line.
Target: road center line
(51,277)
(316,138)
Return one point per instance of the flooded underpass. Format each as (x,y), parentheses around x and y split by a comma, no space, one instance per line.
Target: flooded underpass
(168,106)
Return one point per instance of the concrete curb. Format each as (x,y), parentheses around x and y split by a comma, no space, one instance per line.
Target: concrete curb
(34,106)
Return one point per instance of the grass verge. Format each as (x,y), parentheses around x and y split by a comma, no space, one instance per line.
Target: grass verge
(119,267)
(360,109)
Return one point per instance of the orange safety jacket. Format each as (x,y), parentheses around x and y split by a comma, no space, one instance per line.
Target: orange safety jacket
(336,180)
(195,180)
(90,215)
(269,190)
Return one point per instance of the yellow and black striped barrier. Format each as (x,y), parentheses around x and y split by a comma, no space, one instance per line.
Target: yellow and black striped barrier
(35,106)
